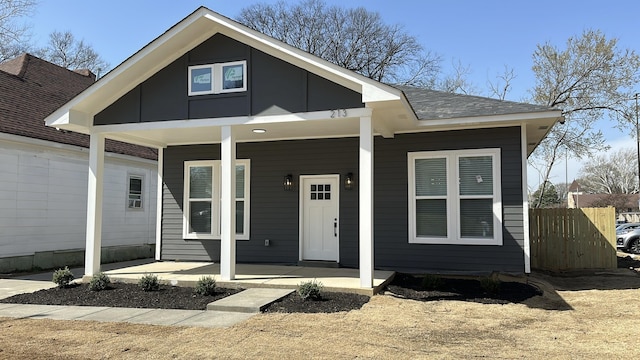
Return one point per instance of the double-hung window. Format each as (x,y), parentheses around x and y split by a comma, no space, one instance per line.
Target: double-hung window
(455,197)
(134,193)
(201,205)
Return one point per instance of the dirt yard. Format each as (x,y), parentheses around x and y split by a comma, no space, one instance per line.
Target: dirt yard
(591,317)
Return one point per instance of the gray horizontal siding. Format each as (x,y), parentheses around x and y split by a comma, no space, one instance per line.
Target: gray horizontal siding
(392,249)
(275,212)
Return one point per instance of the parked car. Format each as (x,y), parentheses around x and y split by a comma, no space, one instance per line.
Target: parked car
(626,227)
(629,241)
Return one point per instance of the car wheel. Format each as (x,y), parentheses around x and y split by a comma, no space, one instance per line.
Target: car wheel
(634,246)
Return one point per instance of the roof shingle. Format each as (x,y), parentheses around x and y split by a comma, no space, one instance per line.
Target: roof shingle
(32,88)
(435,105)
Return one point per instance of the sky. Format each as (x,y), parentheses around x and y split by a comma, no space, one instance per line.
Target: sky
(484,35)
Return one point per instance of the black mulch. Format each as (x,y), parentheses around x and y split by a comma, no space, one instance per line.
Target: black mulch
(329,302)
(122,295)
(628,262)
(171,297)
(410,287)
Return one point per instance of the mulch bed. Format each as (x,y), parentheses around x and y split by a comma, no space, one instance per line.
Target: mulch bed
(122,295)
(411,287)
(629,262)
(329,302)
(173,297)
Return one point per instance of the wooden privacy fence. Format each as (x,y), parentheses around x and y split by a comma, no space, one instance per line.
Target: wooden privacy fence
(573,239)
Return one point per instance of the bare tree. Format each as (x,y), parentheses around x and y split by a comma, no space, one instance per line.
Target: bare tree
(589,79)
(14,35)
(65,50)
(356,39)
(458,81)
(502,84)
(614,174)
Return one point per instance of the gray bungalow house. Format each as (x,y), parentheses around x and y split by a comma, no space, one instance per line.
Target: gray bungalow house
(268,154)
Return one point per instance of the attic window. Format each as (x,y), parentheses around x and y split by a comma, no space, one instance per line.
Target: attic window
(218,78)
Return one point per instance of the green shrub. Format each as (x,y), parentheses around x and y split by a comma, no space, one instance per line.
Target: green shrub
(432,282)
(149,282)
(490,284)
(63,277)
(206,285)
(99,282)
(310,290)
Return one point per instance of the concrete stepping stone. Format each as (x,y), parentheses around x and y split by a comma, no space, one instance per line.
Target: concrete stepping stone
(251,300)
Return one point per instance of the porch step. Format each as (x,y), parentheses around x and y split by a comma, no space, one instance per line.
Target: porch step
(251,300)
(318,263)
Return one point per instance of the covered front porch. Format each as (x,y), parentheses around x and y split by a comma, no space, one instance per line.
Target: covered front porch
(250,275)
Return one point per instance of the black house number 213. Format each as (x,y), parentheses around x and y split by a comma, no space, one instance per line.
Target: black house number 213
(338,113)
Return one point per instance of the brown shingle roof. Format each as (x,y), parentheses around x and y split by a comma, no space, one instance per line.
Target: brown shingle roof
(32,88)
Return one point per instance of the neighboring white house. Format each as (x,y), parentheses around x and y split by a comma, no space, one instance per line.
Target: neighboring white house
(43,224)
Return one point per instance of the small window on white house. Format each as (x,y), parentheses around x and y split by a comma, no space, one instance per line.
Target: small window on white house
(202,199)
(135,192)
(455,197)
(218,78)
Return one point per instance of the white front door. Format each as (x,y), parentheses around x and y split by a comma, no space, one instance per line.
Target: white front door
(319,217)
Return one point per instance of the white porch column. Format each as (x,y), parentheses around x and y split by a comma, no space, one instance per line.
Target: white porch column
(525,201)
(228,204)
(365,186)
(159,190)
(94,205)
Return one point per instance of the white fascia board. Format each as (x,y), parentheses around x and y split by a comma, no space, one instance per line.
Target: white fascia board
(71,120)
(239,120)
(479,120)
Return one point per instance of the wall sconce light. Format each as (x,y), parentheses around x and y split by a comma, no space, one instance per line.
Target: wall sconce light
(348,181)
(288,182)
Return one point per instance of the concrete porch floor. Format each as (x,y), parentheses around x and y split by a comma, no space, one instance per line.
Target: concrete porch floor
(252,275)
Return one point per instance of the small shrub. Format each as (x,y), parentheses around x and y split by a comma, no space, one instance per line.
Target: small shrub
(310,290)
(490,284)
(63,277)
(99,282)
(432,282)
(149,282)
(206,285)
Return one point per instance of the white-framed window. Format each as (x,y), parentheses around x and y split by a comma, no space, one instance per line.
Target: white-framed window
(455,197)
(218,78)
(201,202)
(134,192)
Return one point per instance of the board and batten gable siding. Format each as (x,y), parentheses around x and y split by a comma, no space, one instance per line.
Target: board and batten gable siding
(43,199)
(275,212)
(274,87)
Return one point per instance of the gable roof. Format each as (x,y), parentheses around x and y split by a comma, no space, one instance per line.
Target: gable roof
(32,88)
(392,110)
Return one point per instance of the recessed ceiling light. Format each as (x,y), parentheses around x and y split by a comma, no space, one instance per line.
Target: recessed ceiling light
(259,131)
